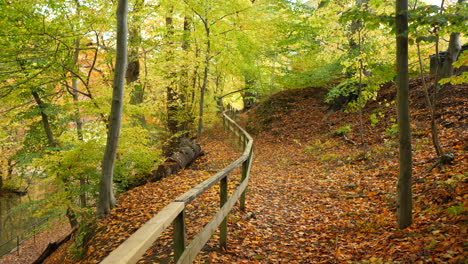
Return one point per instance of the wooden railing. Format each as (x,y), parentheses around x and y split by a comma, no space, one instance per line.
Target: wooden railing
(137,244)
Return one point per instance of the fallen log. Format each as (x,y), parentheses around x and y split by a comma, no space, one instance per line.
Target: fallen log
(52,247)
(185,154)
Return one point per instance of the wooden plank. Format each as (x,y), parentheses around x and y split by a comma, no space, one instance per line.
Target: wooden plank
(205,185)
(193,193)
(201,238)
(223,195)
(179,235)
(238,126)
(246,166)
(137,244)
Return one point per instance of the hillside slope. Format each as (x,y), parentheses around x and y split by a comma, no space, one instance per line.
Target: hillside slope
(319,197)
(315,194)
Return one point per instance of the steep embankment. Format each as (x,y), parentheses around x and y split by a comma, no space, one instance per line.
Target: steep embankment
(317,197)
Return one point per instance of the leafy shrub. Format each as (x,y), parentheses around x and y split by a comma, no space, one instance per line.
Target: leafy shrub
(344,89)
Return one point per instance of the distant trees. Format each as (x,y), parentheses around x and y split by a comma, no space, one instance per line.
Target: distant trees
(56,79)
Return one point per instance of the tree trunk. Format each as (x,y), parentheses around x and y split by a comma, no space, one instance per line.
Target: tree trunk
(249,96)
(205,78)
(185,154)
(185,90)
(453,51)
(78,122)
(405,198)
(451,55)
(137,95)
(173,103)
(45,119)
(106,194)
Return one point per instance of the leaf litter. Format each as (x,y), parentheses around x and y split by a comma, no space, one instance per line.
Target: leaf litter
(314,197)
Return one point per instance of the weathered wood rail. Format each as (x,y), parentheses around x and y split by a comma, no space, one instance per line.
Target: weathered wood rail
(174,213)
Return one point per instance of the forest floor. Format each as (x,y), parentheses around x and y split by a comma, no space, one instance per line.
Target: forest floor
(316,195)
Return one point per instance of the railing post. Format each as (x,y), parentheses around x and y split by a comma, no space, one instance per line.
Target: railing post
(179,235)
(245,168)
(223,195)
(17,245)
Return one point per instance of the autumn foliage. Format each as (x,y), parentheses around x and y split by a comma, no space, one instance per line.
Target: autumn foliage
(316,195)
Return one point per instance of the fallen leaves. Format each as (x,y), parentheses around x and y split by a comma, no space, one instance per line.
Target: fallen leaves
(305,207)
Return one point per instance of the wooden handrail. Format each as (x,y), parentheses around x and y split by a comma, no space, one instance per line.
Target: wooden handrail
(138,243)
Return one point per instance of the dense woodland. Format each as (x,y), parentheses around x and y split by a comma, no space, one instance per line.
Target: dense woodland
(100,97)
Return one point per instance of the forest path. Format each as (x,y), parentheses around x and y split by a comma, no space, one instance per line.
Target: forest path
(314,195)
(301,208)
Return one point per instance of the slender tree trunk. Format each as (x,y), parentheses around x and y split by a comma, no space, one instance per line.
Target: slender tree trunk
(205,78)
(45,119)
(360,100)
(78,122)
(132,75)
(185,80)
(106,194)
(195,82)
(249,96)
(405,197)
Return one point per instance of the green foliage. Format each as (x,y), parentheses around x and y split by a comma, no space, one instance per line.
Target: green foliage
(463,77)
(138,155)
(319,147)
(313,73)
(376,116)
(457,209)
(345,88)
(329,157)
(86,230)
(392,131)
(343,130)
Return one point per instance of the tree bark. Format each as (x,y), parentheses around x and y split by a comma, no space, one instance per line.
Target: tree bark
(405,199)
(137,95)
(79,123)
(249,95)
(185,90)
(205,77)
(185,154)
(45,119)
(453,51)
(451,55)
(106,194)
(173,103)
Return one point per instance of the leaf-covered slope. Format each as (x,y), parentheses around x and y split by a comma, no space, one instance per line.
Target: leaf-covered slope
(317,197)
(314,195)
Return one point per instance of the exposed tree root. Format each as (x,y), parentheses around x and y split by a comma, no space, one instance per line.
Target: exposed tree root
(441,161)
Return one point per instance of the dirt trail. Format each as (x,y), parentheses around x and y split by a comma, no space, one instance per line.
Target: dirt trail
(317,197)
(314,195)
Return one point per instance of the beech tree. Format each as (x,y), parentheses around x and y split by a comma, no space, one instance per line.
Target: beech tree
(405,197)
(106,193)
